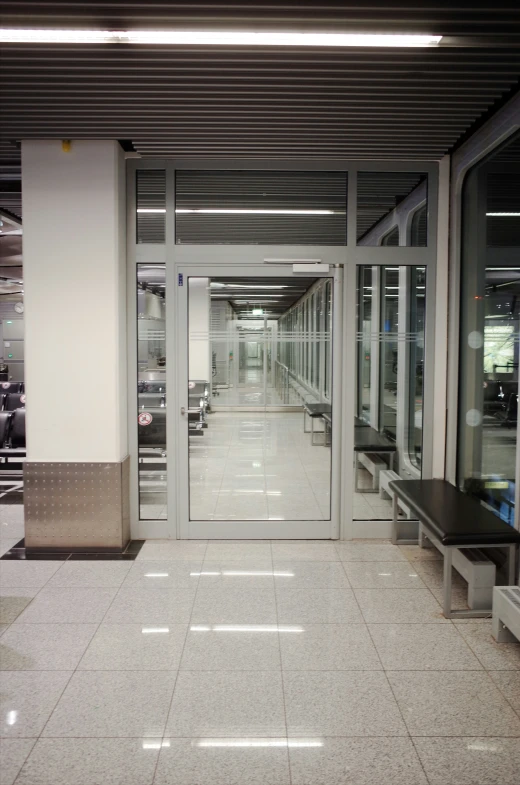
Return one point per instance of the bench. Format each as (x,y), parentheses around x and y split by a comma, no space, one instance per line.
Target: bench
(369,441)
(454,521)
(373,464)
(327,422)
(314,411)
(505,626)
(385,492)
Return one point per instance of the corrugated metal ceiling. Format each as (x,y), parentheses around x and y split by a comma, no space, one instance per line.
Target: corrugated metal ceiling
(260,102)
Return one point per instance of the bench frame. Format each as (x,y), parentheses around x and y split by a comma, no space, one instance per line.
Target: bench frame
(447,551)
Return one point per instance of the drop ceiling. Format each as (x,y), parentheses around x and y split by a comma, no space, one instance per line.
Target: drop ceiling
(256,102)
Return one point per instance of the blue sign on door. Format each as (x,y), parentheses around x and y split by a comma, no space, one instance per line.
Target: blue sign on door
(181,279)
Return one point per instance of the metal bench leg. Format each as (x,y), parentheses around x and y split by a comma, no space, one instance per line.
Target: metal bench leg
(446,606)
(511,565)
(395,516)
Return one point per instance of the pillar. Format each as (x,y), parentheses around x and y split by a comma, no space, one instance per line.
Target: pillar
(76,478)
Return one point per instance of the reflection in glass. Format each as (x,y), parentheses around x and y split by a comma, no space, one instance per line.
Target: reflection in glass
(390,356)
(151,390)
(259,351)
(489,331)
(392,208)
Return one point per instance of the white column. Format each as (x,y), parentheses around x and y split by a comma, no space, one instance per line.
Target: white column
(199,300)
(74,256)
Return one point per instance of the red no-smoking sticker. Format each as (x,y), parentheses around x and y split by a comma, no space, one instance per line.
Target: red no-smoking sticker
(145,418)
(22,398)
(6,385)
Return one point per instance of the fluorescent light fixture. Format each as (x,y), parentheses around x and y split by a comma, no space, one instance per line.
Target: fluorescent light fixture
(218,285)
(257,312)
(259,743)
(503,215)
(214,38)
(251,211)
(150,210)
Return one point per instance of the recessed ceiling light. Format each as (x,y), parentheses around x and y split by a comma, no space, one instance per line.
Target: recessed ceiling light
(215,38)
(252,211)
(503,215)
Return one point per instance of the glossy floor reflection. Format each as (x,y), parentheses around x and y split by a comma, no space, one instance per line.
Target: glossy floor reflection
(258,466)
(230,663)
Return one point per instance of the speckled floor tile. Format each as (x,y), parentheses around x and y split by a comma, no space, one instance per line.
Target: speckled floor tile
(90,762)
(27,699)
(329,647)
(243,552)
(97,574)
(8,543)
(415,553)
(33,574)
(172,550)
(382,575)
(11,529)
(210,761)
(470,761)
(216,647)
(135,647)
(368,551)
(399,606)
(340,703)
(227,704)
(13,753)
(158,575)
(60,606)
(310,575)
(350,761)
(49,647)
(453,703)
(149,606)
(304,551)
(222,604)
(493,656)
(113,704)
(508,682)
(315,606)
(422,647)
(13,602)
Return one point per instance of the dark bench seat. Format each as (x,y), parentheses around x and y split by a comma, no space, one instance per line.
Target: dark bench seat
(368,440)
(455,520)
(315,411)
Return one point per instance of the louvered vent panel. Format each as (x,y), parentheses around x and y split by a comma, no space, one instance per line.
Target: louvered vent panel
(268,192)
(151,196)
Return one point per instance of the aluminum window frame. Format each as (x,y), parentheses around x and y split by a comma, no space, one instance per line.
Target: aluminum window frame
(350,256)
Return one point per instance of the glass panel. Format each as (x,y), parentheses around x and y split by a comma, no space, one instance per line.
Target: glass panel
(417,312)
(151,205)
(261,207)
(386,205)
(365,329)
(151,387)
(252,453)
(489,331)
(389,355)
(388,426)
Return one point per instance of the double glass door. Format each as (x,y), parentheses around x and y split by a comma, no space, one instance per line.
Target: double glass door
(258,416)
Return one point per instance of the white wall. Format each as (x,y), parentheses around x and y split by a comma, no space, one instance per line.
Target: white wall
(75,300)
(199,301)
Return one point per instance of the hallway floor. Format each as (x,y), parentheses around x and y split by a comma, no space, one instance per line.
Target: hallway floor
(230,663)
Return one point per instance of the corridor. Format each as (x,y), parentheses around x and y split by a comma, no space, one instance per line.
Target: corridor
(232,663)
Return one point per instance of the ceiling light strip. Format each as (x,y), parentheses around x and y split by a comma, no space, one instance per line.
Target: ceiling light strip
(215,38)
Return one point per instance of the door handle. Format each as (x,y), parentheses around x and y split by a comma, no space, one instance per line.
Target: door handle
(183,411)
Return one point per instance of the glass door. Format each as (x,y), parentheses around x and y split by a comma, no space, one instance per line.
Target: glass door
(259,444)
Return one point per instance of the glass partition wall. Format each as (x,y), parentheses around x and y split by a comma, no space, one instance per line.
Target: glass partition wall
(489,332)
(388,430)
(260,353)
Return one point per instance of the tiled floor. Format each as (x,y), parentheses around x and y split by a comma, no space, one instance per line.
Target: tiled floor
(312,663)
(258,466)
